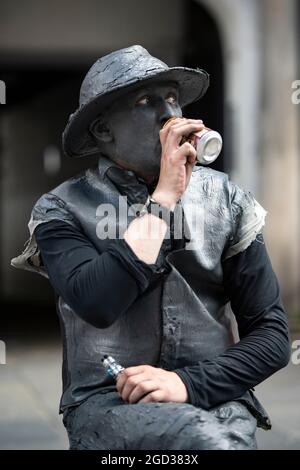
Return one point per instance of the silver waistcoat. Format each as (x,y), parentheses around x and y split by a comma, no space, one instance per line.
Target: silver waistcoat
(183,318)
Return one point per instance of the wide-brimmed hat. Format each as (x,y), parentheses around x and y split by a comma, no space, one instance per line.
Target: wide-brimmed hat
(115,74)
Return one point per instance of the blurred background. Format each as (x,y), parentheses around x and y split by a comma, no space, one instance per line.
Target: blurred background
(251,49)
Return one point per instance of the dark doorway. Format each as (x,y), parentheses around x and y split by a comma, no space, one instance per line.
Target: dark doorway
(203,49)
(38,103)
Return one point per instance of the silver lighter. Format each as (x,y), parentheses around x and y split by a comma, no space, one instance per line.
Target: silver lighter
(111,366)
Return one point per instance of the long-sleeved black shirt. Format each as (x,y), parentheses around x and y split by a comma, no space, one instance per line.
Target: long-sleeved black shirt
(84,277)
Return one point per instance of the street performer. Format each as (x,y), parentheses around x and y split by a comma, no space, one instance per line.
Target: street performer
(154,260)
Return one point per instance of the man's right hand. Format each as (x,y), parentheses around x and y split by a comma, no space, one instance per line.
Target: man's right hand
(177,161)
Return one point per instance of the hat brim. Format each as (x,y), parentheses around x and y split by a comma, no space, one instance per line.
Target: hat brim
(76,139)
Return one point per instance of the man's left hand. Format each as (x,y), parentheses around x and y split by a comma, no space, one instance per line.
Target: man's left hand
(144,384)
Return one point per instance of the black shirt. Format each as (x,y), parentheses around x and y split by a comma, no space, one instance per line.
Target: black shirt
(84,277)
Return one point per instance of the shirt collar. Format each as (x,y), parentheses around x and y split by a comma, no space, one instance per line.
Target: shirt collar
(104,163)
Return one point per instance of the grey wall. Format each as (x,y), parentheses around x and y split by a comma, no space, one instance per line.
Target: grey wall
(80,27)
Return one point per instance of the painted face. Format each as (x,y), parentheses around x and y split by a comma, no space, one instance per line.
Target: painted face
(135,122)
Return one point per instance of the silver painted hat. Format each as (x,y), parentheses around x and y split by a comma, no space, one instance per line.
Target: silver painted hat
(115,74)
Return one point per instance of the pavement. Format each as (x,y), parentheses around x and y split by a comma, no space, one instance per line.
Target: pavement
(31,387)
(29,398)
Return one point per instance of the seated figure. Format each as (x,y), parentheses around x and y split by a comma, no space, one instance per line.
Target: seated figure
(161,263)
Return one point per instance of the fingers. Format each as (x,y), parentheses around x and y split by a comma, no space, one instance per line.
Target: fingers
(155,396)
(186,150)
(136,387)
(126,373)
(143,388)
(135,382)
(175,121)
(131,376)
(164,132)
(130,384)
(177,128)
(145,384)
(183,129)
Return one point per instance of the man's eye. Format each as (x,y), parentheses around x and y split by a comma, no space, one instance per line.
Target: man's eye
(171,98)
(142,101)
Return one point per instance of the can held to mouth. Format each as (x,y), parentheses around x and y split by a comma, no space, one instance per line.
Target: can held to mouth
(208,144)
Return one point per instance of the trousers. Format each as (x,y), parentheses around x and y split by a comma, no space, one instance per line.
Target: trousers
(105,422)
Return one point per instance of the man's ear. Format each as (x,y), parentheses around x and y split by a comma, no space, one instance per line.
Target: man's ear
(100,130)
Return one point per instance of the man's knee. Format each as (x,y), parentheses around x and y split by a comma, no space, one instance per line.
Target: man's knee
(161,426)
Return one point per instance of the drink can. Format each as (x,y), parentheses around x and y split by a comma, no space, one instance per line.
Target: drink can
(208,144)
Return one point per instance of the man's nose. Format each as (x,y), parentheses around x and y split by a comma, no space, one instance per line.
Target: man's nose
(165,111)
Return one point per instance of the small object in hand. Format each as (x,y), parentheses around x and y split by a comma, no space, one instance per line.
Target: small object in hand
(111,366)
